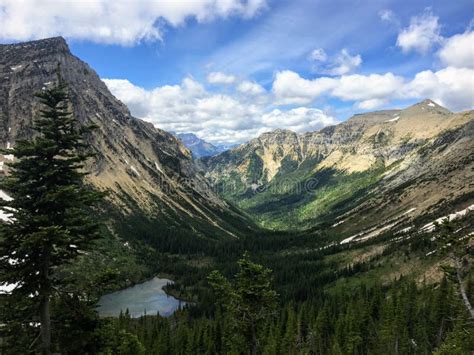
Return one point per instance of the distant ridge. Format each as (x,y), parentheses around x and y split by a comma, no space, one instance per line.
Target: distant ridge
(358,164)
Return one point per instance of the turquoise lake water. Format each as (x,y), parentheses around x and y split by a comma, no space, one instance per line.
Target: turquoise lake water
(148,297)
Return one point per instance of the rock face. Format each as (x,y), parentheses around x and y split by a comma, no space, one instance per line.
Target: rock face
(198,147)
(146,170)
(381,153)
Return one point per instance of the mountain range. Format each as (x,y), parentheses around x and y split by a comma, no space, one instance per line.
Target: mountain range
(407,165)
(356,176)
(199,147)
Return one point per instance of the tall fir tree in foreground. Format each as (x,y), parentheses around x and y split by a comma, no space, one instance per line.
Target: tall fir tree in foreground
(50,220)
(249,303)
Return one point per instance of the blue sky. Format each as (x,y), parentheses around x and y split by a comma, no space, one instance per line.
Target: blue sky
(229,70)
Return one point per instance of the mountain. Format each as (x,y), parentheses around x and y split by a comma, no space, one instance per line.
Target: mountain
(199,147)
(154,187)
(363,171)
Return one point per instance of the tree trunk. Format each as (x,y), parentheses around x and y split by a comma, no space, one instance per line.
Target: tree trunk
(254,340)
(45,326)
(45,315)
(463,290)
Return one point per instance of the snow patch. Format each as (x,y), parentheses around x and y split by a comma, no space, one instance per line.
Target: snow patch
(5,216)
(431,104)
(134,170)
(396,118)
(7,288)
(157,166)
(409,211)
(405,230)
(4,196)
(16,67)
(9,157)
(338,223)
(430,227)
(347,240)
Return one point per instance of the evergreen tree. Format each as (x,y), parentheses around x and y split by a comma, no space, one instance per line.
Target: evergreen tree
(49,223)
(249,301)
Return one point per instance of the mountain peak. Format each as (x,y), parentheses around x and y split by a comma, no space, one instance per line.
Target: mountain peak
(428,105)
(57,44)
(199,147)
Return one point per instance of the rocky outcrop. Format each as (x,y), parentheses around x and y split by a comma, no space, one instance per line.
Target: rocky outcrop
(146,170)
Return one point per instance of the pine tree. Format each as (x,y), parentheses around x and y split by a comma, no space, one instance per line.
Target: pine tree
(49,223)
(249,302)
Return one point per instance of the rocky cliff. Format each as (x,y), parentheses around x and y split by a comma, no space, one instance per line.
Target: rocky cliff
(148,172)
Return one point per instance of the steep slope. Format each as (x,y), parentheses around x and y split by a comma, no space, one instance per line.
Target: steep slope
(198,147)
(290,180)
(150,175)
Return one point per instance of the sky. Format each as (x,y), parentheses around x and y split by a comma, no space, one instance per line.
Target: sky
(229,70)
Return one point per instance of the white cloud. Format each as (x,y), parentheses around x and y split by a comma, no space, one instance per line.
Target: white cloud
(342,63)
(220,78)
(387,15)
(300,119)
(250,88)
(458,51)
(318,55)
(421,35)
(219,118)
(371,104)
(290,88)
(366,87)
(119,22)
(450,87)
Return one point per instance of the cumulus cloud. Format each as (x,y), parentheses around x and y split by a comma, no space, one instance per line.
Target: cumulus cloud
(219,118)
(371,104)
(113,22)
(458,51)
(250,88)
(422,34)
(450,86)
(342,63)
(290,88)
(366,87)
(300,119)
(220,78)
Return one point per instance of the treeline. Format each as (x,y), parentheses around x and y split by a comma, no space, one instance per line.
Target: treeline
(403,319)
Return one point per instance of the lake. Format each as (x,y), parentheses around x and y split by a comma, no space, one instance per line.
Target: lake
(148,297)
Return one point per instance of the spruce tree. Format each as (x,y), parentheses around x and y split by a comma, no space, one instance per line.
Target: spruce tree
(249,302)
(50,223)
